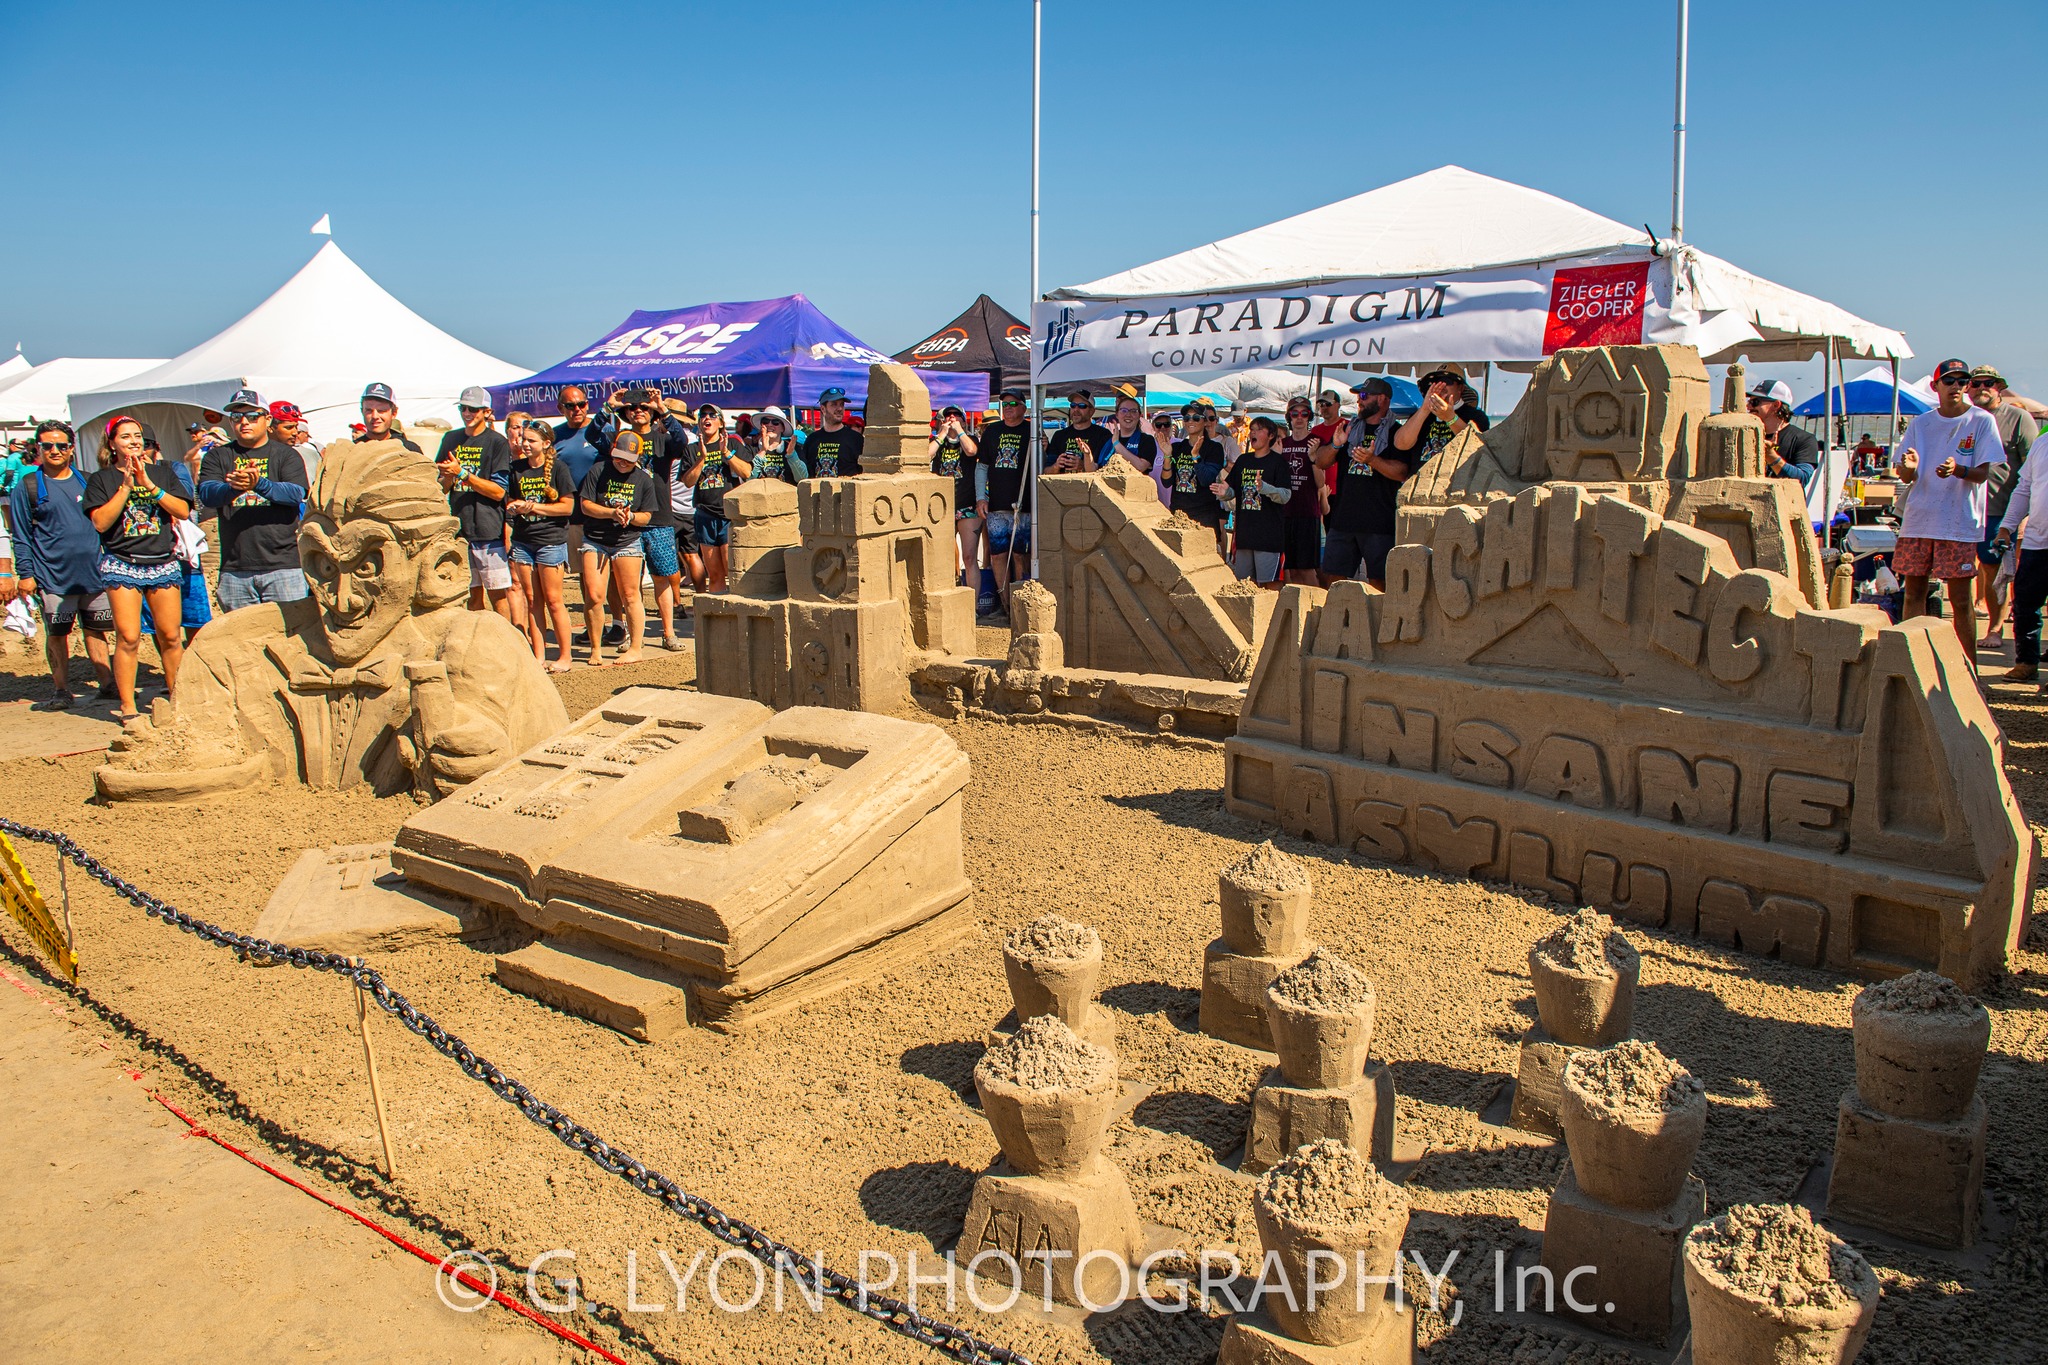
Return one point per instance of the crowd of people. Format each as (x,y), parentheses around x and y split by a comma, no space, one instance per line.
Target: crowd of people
(631,493)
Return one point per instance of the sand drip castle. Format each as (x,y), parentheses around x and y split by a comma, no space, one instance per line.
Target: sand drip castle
(1600,671)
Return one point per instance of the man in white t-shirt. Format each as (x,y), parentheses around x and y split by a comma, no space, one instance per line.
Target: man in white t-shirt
(2026,519)
(1955,448)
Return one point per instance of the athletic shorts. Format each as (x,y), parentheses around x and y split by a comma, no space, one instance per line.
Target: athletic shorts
(1304,542)
(1260,566)
(542,556)
(117,572)
(1009,533)
(659,543)
(712,529)
(61,610)
(489,566)
(1919,557)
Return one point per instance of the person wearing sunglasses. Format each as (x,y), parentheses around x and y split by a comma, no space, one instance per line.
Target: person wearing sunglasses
(259,486)
(57,554)
(579,444)
(775,451)
(1077,447)
(956,456)
(1946,458)
(718,463)
(1003,463)
(2017,431)
(135,503)
(1194,465)
(1789,452)
(1299,445)
(475,465)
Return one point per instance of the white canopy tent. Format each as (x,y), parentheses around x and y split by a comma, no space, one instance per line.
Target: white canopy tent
(14,367)
(1446,265)
(325,333)
(44,391)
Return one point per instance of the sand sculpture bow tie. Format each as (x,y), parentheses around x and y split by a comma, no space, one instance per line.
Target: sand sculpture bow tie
(379,675)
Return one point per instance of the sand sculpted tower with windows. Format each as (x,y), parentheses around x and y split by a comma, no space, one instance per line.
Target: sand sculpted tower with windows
(1622,694)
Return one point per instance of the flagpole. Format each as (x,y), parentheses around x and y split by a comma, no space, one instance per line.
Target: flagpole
(1037,458)
(1678,127)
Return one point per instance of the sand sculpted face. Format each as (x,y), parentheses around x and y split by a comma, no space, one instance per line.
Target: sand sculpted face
(366,582)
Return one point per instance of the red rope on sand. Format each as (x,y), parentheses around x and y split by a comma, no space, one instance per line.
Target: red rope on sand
(468,1280)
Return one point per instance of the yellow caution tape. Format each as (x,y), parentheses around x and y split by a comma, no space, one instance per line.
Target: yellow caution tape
(25,903)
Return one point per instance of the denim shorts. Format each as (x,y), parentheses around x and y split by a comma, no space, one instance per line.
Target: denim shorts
(629,550)
(1008,533)
(544,556)
(237,589)
(659,543)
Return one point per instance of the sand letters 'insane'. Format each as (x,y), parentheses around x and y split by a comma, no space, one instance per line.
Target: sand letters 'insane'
(702,858)
(382,676)
(1562,689)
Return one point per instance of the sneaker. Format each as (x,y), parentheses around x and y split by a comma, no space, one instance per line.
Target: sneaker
(988,606)
(615,634)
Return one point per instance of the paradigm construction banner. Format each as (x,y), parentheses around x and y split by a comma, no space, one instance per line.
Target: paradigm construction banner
(1520,313)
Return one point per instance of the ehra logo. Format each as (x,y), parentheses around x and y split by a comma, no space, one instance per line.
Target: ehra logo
(952,341)
(1018,337)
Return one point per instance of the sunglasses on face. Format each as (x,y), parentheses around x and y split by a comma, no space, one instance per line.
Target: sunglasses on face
(1012,403)
(245,416)
(469,410)
(1983,383)
(1950,383)
(49,449)
(566,404)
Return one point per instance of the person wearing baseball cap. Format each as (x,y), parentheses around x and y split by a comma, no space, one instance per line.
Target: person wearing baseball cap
(380,418)
(475,465)
(1077,447)
(833,451)
(258,484)
(288,424)
(1369,473)
(956,455)
(2017,432)
(619,503)
(1438,421)
(1789,452)
(1946,458)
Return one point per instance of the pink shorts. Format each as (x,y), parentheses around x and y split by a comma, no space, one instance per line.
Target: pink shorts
(1917,557)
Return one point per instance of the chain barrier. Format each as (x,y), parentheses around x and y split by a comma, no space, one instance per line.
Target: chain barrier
(812,1277)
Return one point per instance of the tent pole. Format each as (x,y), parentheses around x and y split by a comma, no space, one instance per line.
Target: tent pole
(1486,389)
(1891,438)
(1037,460)
(1678,127)
(1827,444)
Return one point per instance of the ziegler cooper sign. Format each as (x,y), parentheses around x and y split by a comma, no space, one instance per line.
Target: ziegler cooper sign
(1521,313)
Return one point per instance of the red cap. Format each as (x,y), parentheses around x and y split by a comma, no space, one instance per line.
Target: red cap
(282,411)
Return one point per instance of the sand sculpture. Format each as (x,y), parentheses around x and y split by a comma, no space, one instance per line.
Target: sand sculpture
(839,587)
(381,677)
(1910,1134)
(1052,966)
(1035,683)
(1563,689)
(1632,1122)
(1139,589)
(702,859)
(1057,1218)
(1326,1087)
(1265,899)
(1325,1211)
(1585,975)
(1766,1286)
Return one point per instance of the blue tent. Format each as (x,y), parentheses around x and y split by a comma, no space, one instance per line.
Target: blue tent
(1867,395)
(739,355)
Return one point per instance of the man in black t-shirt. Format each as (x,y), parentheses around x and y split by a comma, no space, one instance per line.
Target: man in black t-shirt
(380,418)
(1077,447)
(1005,462)
(833,450)
(475,465)
(1369,478)
(259,485)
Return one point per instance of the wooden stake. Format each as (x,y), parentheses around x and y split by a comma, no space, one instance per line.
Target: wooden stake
(376,1089)
(64,895)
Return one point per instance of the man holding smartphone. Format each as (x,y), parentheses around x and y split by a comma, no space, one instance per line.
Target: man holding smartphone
(1437,422)
(1945,460)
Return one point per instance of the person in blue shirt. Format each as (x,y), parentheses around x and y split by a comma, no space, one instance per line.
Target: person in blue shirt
(57,553)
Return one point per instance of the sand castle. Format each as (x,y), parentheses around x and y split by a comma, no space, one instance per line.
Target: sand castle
(1910,1134)
(1632,1122)
(1334,1225)
(1057,1219)
(689,858)
(839,587)
(1766,1286)
(1621,694)
(1585,975)
(1052,965)
(1265,900)
(1326,1087)
(381,678)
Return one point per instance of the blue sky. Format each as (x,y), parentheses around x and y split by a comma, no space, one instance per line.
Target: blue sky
(524,176)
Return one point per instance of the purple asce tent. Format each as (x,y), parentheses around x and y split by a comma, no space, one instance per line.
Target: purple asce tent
(737,355)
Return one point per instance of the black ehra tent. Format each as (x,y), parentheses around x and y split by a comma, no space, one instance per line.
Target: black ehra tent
(987,338)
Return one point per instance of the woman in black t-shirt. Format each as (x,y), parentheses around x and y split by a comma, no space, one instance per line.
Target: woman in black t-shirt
(1258,485)
(537,508)
(718,464)
(954,456)
(135,506)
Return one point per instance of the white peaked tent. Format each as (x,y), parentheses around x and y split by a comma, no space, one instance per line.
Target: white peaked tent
(328,331)
(45,390)
(14,367)
(1497,243)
